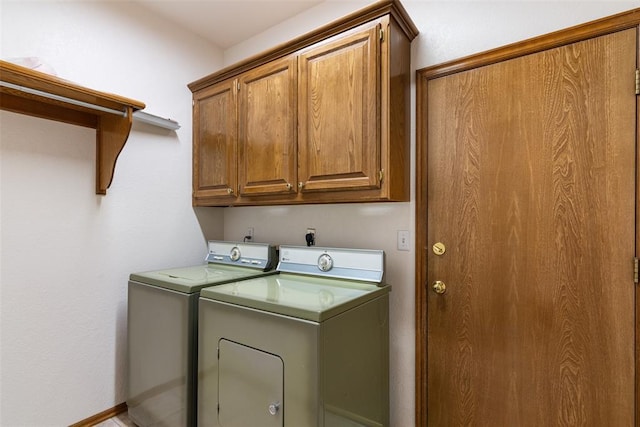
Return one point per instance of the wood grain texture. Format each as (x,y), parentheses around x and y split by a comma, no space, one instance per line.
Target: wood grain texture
(395,122)
(353,139)
(339,143)
(530,183)
(267,129)
(111,135)
(22,76)
(215,139)
(618,22)
(422,250)
(637,236)
(17,103)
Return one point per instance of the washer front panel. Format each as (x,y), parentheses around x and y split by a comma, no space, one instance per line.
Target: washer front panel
(161,385)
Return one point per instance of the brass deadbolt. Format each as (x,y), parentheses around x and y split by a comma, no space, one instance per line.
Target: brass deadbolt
(439,248)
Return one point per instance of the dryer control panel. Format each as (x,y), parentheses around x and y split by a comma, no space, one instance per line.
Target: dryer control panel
(351,264)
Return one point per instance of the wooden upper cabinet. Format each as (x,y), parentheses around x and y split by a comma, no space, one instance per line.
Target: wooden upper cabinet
(215,139)
(339,103)
(267,129)
(321,119)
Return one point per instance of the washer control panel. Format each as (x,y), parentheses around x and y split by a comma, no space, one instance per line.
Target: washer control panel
(235,253)
(256,255)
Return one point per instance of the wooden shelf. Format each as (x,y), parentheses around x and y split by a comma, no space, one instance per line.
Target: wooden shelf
(33,93)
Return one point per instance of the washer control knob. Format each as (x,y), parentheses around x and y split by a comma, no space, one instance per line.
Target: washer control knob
(325,262)
(235,253)
(274,408)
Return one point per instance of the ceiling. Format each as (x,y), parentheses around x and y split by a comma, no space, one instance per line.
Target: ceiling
(227,22)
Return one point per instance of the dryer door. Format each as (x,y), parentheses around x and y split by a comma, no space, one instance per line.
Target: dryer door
(250,387)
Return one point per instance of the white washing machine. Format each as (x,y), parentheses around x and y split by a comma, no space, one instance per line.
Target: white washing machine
(163,326)
(307,347)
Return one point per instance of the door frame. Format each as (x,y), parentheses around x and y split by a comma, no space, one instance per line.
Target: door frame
(607,25)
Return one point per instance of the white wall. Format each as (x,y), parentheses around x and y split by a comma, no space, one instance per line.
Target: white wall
(66,252)
(448,30)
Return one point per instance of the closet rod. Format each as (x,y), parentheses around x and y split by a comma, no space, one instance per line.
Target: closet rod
(63,99)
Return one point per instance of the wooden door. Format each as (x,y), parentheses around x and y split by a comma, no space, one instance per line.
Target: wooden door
(339,135)
(267,129)
(531,187)
(215,138)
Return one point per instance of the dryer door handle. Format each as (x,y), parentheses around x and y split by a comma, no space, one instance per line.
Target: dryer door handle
(274,408)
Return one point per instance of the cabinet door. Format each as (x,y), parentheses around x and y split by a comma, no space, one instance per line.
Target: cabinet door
(215,141)
(267,128)
(339,104)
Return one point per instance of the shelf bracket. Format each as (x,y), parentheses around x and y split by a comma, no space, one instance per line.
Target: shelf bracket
(111,135)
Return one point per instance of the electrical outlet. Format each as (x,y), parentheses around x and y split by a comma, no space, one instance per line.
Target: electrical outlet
(249,234)
(403,240)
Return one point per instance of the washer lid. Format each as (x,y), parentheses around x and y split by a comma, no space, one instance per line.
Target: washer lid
(192,279)
(305,297)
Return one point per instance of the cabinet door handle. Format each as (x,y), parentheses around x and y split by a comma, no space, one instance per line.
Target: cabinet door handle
(230,190)
(300,184)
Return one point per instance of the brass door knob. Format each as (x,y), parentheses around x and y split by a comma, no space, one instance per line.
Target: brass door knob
(439,287)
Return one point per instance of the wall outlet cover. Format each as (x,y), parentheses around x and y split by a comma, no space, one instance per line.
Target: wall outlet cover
(403,240)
